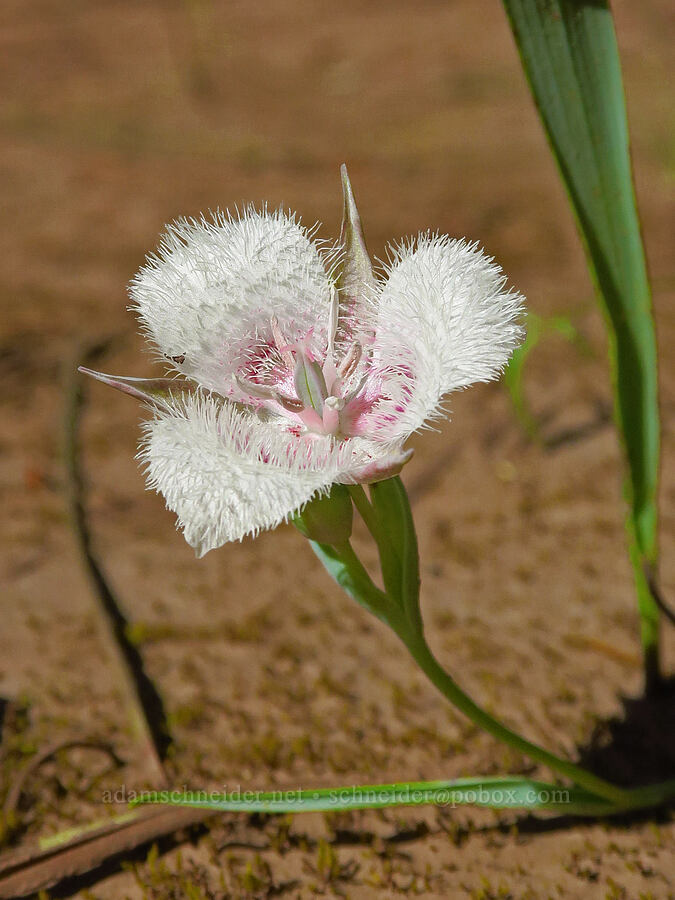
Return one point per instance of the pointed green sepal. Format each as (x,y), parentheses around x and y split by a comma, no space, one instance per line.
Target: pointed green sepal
(356,273)
(158,392)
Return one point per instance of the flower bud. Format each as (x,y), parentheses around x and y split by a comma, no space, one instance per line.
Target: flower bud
(328,519)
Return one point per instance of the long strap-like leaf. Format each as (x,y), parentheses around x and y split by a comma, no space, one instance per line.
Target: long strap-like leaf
(505,792)
(569,53)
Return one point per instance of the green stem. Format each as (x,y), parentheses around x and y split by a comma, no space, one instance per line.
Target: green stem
(343,563)
(419,649)
(359,584)
(351,573)
(356,581)
(365,510)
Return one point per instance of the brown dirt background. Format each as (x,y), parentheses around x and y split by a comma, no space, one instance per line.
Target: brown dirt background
(118,116)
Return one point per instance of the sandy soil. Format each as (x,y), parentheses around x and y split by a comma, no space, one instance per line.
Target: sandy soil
(118,116)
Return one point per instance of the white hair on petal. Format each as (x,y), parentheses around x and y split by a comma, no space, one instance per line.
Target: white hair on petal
(227,473)
(214,284)
(243,304)
(445,320)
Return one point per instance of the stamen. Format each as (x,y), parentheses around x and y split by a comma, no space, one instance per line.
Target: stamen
(264,392)
(288,403)
(311,420)
(333,315)
(350,361)
(282,343)
(357,390)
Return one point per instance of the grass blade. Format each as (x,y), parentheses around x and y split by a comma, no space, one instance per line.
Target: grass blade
(537,328)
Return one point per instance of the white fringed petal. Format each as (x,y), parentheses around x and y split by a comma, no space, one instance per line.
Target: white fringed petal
(247,307)
(227,474)
(209,293)
(445,320)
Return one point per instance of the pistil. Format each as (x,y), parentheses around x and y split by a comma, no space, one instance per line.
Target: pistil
(331,414)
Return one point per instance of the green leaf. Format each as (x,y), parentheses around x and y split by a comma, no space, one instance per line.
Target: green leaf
(397,543)
(569,52)
(513,376)
(508,792)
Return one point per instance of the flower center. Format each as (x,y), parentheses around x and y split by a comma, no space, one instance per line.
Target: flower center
(322,393)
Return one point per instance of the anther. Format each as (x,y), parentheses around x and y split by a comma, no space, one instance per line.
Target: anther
(350,360)
(288,403)
(357,390)
(264,392)
(333,320)
(282,344)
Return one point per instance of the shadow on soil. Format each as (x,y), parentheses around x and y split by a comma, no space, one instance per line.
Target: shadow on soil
(638,747)
(633,749)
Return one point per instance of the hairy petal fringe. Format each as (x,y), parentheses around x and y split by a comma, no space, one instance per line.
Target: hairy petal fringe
(212,287)
(445,320)
(227,473)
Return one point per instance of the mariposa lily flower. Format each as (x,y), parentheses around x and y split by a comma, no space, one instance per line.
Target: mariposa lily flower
(295,366)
